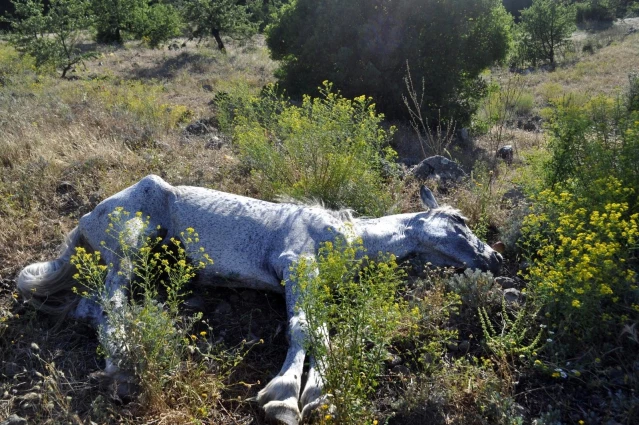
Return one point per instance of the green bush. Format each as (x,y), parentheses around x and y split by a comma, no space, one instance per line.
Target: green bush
(330,148)
(356,300)
(114,19)
(149,339)
(364,46)
(581,235)
(581,252)
(595,10)
(158,24)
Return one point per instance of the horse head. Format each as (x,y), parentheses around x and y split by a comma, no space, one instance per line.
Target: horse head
(444,239)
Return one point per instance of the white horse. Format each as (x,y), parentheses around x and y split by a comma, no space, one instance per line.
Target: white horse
(255,243)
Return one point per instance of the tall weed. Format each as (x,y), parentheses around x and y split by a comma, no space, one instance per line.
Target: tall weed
(355,300)
(329,148)
(148,338)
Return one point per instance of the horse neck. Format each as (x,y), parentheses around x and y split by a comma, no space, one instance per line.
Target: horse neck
(386,235)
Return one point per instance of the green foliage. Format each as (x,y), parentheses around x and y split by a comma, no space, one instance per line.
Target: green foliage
(14,66)
(114,18)
(595,140)
(330,148)
(154,22)
(51,38)
(546,26)
(595,10)
(353,299)
(158,23)
(212,17)
(581,236)
(149,338)
(581,252)
(511,339)
(363,46)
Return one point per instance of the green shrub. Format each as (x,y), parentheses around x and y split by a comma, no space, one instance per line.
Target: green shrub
(113,20)
(595,10)
(581,235)
(581,252)
(13,66)
(158,24)
(356,300)
(330,148)
(148,337)
(363,46)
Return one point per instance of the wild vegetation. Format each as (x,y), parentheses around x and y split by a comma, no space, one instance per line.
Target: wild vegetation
(551,341)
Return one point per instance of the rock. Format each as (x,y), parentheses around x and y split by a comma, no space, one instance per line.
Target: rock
(464,346)
(513,197)
(506,153)
(464,137)
(438,168)
(514,296)
(400,370)
(214,143)
(14,420)
(506,282)
(223,308)
(198,128)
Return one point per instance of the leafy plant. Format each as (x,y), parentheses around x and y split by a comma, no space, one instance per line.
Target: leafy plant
(148,338)
(330,149)
(158,23)
(512,338)
(355,300)
(52,38)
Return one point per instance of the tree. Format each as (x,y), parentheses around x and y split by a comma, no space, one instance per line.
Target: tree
(547,24)
(51,38)
(114,17)
(363,46)
(213,17)
(156,22)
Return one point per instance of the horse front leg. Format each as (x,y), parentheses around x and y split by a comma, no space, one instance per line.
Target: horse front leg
(280,396)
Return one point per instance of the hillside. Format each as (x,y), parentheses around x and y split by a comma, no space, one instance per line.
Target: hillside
(67,144)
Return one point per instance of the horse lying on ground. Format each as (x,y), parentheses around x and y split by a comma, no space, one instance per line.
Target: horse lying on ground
(255,243)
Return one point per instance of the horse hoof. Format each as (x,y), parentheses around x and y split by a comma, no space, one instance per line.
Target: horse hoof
(312,407)
(280,412)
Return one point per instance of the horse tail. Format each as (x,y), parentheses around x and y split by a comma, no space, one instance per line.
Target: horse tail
(46,285)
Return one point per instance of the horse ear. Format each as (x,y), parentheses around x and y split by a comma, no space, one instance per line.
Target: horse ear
(428,199)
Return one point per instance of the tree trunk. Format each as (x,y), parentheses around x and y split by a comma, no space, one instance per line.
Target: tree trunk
(216,35)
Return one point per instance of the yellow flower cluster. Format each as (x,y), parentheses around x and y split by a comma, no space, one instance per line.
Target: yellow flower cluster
(582,247)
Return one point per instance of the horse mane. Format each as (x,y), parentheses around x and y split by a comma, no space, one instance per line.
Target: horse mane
(347,215)
(448,210)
